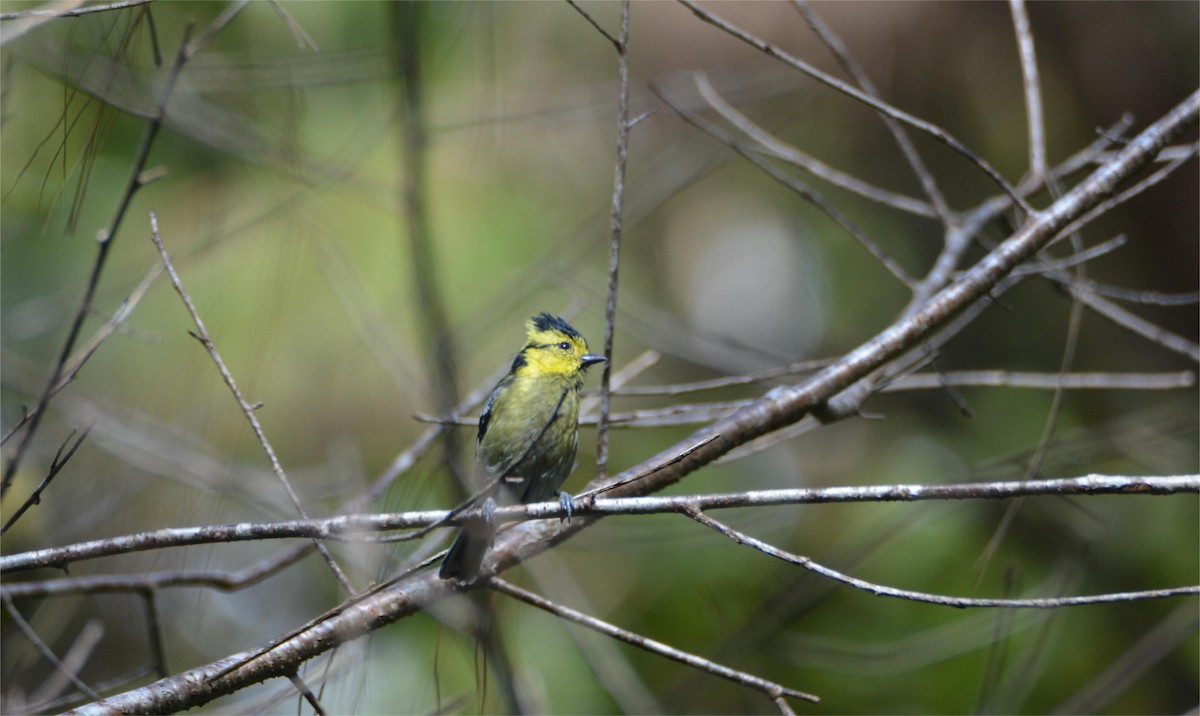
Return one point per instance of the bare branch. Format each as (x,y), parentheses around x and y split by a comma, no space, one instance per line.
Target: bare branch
(617,227)
(589,505)
(880,590)
(1132,322)
(1046,381)
(1154,298)
(1033,89)
(298,32)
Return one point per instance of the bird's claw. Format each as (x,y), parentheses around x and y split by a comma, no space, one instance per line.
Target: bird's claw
(566,502)
(488,508)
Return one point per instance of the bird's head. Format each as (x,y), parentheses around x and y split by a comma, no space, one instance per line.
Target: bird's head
(553,347)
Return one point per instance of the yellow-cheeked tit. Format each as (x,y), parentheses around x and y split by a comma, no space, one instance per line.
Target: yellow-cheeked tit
(528,433)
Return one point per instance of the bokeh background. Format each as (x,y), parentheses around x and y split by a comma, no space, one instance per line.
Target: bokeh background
(281,205)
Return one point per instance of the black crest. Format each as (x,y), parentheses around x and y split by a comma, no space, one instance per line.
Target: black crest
(546,322)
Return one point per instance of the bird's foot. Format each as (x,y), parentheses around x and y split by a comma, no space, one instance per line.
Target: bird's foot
(568,504)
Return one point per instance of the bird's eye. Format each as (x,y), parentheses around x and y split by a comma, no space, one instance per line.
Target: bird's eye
(565,346)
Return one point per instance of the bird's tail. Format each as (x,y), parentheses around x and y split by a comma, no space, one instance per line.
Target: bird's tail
(465,557)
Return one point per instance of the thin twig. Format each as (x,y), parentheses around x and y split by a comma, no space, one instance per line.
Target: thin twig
(592,21)
(1033,469)
(299,34)
(616,226)
(926,597)
(201,335)
(87,350)
(1045,381)
(1033,89)
(727,381)
(1132,322)
(158,646)
(773,690)
(1076,258)
(82,648)
(1133,295)
(56,466)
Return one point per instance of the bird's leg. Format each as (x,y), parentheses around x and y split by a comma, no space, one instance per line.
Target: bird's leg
(488,508)
(567,503)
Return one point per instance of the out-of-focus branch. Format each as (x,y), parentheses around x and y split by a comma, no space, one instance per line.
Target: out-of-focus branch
(410,25)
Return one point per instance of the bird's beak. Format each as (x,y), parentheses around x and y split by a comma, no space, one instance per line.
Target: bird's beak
(589,359)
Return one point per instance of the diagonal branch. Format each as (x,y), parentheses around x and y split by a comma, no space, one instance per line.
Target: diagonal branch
(247,409)
(773,690)
(105,239)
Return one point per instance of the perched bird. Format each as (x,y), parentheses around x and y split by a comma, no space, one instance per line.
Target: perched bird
(528,433)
